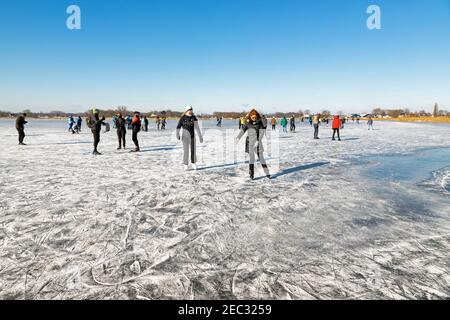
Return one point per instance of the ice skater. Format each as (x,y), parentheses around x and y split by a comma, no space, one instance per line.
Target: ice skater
(292,121)
(142,124)
(336,126)
(158,122)
(264,121)
(145,124)
(370,123)
(79,123)
(136,127)
(114,120)
(95,124)
(274,123)
(255,129)
(163,123)
(284,123)
(129,119)
(242,123)
(189,123)
(20,126)
(121,127)
(76,129)
(316,123)
(71,123)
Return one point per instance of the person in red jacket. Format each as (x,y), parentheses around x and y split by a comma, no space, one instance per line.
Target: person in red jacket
(337,124)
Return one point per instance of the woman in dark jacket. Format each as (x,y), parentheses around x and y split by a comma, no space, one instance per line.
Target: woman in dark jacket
(121,125)
(253,144)
(136,127)
(95,123)
(189,123)
(20,126)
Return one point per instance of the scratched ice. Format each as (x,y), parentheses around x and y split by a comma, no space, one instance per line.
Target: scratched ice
(367,217)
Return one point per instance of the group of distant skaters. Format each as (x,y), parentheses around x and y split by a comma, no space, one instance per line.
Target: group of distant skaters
(134,123)
(254,124)
(315,121)
(75,125)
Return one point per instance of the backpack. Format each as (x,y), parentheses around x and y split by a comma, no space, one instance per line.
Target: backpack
(89,122)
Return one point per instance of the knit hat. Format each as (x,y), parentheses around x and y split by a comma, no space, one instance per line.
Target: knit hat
(187,108)
(94,111)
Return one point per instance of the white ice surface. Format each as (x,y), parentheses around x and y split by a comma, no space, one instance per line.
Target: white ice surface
(137,226)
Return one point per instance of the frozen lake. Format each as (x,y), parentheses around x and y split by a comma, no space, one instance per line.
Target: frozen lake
(364,218)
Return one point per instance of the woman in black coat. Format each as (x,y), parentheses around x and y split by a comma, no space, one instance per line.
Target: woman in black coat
(256,128)
(189,123)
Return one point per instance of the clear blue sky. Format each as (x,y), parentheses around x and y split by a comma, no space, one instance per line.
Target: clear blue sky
(220,55)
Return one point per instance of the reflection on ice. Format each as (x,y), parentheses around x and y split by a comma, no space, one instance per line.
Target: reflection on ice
(412,167)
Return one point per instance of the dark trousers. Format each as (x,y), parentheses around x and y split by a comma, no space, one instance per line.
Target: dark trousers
(96,135)
(336,131)
(121,136)
(21,135)
(273,127)
(316,131)
(135,139)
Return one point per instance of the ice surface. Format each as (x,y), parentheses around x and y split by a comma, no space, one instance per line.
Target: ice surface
(137,226)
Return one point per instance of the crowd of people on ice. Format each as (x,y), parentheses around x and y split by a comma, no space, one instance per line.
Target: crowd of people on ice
(253,124)
(75,125)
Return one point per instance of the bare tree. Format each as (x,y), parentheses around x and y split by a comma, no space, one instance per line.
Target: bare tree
(122,109)
(326,113)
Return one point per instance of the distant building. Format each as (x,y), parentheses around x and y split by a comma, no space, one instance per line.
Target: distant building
(435,110)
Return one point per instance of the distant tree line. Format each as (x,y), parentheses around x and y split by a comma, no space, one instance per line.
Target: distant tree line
(107,113)
(31,114)
(165,113)
(298,114)
(396,113)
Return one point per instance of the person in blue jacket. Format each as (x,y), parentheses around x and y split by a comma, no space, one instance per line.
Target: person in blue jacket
(71,123)
(129,121)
